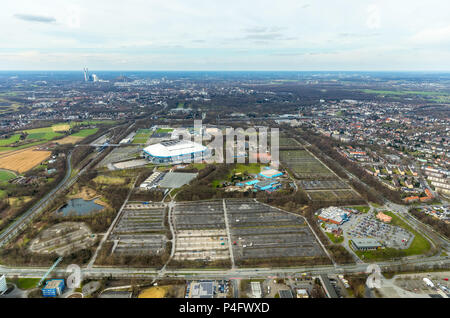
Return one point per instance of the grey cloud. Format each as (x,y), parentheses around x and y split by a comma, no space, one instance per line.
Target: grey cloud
(35,18)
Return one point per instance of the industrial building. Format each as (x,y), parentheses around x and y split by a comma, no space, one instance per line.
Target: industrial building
(365,244)
(53,288)
(3,286)
(202,289)
(175,151)
(334,215)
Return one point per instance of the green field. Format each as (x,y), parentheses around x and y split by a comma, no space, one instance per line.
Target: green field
(10,140)
(164,130)
(6,175)
(85,132)
(435,96)
(27,283)
(142,136)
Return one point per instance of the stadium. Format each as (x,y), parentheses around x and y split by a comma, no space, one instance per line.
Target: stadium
(175,151)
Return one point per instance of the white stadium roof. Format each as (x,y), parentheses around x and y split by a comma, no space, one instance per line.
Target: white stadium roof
(172,148)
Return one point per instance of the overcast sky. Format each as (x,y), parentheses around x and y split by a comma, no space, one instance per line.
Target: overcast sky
(225,35)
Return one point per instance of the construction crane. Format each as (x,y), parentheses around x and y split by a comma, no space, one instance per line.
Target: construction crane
(50,270)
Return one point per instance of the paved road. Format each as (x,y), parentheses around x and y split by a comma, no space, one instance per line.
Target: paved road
(26,217)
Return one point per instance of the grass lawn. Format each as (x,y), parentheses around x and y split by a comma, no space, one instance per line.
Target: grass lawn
(360,208)
(27,283)
(164,130)
(250,168)
(418,246)
(6,175)
(85,132)
(45,133)
(334,239)
(10,140)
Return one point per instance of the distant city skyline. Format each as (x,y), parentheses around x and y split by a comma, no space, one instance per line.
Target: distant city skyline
(248,35)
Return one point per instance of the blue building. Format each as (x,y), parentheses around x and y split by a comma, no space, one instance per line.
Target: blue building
(53,288)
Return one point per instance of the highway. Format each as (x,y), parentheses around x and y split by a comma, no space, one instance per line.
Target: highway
(123,272)
(12,230)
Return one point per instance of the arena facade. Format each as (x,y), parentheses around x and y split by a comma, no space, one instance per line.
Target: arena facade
(175,151)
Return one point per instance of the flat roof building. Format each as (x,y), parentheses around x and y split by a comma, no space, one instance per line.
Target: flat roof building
(270,173)
(256,289)
(175,151)
(53,288)
(333,215)
(364,244)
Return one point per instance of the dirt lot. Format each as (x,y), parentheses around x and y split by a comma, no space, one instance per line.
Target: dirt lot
(24,159)
(163,291)
(69,140)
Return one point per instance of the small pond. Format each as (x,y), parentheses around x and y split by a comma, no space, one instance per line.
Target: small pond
(79,207)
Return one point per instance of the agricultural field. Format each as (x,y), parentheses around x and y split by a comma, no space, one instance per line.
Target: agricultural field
(61,127)
(142,136)
(69,140)
(10,140)
(85,132)
(41,134)
(23,160)
(288,142)
(440,97)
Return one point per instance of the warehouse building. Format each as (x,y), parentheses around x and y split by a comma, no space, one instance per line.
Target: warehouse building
(175,151)
(53,288)
(334,215)
(365,244)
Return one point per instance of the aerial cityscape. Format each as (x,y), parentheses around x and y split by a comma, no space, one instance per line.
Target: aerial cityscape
(223,183)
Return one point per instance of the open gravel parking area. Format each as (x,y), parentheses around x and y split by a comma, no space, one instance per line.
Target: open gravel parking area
(261,231)
(139,230)
(200,231)
(120,154)
(63,238)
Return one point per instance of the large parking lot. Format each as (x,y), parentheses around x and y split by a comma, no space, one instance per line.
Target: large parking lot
(200,231)
(368,226)
(140,230)
(260,231)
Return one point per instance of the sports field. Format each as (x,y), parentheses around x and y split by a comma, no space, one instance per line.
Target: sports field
(23,160)
(142,136)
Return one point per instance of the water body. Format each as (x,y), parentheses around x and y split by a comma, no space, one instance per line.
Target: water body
(80,207)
